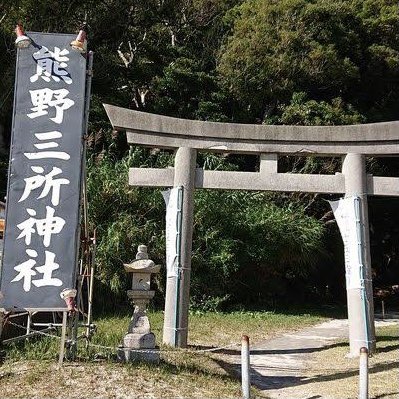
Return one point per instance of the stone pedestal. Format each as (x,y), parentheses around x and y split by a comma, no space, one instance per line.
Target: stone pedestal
(127,355)
(139,341)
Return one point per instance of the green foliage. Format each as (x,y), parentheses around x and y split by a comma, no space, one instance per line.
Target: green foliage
(123,216)
(327,49)
(185,90)
(312,62)
(245,240)
(207,327)
(301,111)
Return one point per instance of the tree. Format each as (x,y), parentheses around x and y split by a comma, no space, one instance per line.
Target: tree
(326,49)
(302,111)
(240,239)
(275,61)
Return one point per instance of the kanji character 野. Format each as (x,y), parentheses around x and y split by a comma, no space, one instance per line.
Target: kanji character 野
(42,99)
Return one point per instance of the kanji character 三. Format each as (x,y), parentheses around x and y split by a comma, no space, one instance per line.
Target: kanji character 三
(46,136)
(51,64)
(42,99)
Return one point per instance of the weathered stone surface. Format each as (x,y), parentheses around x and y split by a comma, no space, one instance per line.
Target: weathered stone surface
(139,323)
(142,252)
(139,297)
(139,265)
(166,132)
(139,341)
(127,355)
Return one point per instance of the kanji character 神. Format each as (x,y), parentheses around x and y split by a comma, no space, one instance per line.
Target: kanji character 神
(43,227)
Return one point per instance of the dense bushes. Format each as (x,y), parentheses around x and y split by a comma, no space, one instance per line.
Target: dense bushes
(245,247)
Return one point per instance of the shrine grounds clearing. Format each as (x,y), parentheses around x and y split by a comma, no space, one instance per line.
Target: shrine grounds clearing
(29,369)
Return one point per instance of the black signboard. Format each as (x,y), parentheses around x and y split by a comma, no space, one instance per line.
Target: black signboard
(42,216)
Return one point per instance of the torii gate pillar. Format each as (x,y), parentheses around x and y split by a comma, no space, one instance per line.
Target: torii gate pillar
(178,292)
(269,143)
(354,169)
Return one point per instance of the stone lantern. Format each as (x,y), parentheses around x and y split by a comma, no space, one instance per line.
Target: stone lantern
(139,341)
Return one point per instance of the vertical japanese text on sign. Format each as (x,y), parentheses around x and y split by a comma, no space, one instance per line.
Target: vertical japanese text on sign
(43,194)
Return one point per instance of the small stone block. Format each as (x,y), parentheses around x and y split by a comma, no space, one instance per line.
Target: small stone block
(127,355)
(139,341)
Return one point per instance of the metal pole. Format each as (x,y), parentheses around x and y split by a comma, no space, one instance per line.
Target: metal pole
(176,335)
(354,170)
(63,334)
(364,374)
(91,284)
(362,274)
(179,265)
(28,324)
(383,309)
(90,56)
(245,378)
(75,315)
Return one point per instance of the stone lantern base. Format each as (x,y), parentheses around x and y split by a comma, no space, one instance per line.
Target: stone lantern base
(128,355)
(139,342)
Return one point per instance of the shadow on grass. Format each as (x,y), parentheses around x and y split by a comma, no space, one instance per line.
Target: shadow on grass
(237,352)
(387,395)
(388,348)
(183,363)
(195,369)
(287,381)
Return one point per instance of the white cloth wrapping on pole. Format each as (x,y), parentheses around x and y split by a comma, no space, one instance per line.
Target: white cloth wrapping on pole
(171,197)
(345,214)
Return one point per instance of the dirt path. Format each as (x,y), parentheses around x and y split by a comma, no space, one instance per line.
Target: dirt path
(282,362)
(280,366)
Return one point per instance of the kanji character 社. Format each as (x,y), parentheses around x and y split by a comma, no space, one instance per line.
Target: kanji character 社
(47,271)
(25,271)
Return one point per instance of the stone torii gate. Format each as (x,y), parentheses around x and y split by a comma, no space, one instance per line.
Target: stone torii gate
(353,143)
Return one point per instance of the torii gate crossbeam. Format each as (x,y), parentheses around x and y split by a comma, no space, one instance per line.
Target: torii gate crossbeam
(353,143)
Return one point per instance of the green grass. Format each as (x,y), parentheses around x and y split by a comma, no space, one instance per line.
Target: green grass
(218,329)
(180,373)
(209,329)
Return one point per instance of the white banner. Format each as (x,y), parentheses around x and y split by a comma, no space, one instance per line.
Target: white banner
(171,198)
(348,223)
